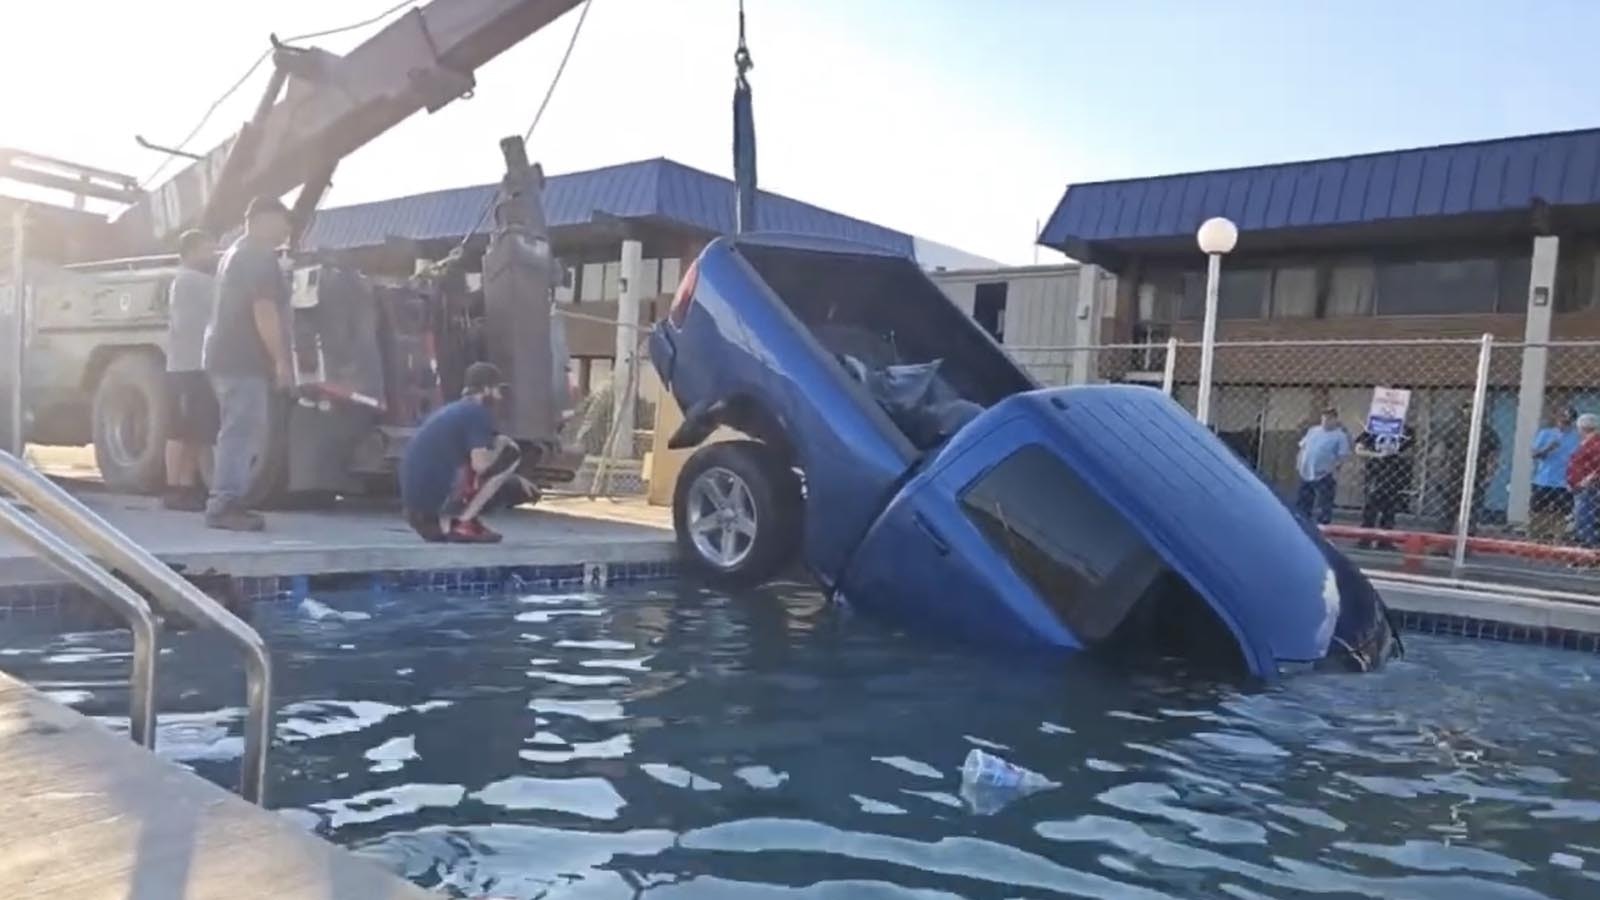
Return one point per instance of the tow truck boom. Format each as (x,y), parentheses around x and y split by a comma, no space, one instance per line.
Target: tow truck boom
(330,106)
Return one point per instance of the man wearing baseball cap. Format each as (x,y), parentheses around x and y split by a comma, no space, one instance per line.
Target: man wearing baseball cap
(456,464)
(245,355)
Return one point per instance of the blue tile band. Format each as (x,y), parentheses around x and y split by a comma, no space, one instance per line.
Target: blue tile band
(69,604)
(1489,630)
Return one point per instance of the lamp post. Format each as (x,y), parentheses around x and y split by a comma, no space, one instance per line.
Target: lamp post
(1216,238)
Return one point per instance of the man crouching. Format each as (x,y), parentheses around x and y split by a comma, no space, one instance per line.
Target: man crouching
(456,465)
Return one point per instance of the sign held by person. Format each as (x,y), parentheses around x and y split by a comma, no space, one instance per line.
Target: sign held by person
(1386,417)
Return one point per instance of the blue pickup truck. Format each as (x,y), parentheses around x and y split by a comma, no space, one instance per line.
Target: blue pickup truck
(897,451)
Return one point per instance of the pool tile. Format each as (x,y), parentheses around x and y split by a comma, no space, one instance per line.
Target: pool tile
(66,601)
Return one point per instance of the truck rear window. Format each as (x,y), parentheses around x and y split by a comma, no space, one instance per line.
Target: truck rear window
(1079,553)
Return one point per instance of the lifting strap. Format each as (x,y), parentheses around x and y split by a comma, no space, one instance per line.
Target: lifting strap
(744,137)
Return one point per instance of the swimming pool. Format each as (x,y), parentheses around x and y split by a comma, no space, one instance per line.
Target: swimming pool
(663,741)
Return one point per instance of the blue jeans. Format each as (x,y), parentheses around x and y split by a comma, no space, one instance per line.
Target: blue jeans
(1586,516)
(245,402)
(1316,499)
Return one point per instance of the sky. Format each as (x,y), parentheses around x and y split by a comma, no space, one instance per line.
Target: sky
(961,121)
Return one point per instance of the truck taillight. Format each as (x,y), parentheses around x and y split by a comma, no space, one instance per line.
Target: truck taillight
(682,300)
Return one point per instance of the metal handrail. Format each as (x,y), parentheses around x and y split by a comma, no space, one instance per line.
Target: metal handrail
(171,592)
(95,579)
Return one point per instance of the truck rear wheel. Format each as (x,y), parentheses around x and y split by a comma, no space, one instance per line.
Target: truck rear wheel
(129,423)
(736,513)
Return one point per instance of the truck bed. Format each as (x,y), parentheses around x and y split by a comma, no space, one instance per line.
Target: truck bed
(881,311)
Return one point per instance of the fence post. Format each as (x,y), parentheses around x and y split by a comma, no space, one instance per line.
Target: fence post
(1469,477)
(1169,367)
(18,338)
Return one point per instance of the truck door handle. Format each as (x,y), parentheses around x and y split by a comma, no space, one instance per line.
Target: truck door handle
(939,543)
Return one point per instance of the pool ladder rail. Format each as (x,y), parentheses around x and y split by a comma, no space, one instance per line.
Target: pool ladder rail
(109,551)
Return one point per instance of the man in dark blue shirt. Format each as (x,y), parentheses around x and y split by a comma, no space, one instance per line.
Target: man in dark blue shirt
(456,464)
(246,354)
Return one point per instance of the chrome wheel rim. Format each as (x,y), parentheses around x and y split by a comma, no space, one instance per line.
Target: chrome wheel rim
(722,518)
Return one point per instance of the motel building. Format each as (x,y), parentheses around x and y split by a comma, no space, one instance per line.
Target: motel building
(1498,237)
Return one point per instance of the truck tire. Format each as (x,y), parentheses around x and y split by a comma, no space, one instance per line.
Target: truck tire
(736,513)
(128,420)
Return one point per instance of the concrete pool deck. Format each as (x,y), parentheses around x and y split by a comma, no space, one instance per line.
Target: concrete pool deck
(90,815)
(369,538)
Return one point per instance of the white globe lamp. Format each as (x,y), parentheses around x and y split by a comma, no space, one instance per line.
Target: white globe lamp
(1217,235)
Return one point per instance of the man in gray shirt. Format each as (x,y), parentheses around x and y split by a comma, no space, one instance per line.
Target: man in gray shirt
(246,355)
(191,405)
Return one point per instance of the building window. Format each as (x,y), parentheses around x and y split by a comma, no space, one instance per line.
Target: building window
(1294,292)
(1494,282)
(1192,306)
(1576,270)
(1352,285)
(1241,294)
(1161,297)
(611,288)
(671,274)
(591,286)
(649,278)
(989,308)
(565,291)
(1515,273)
(1435,287)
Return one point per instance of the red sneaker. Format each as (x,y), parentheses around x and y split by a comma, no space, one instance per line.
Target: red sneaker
(473,532)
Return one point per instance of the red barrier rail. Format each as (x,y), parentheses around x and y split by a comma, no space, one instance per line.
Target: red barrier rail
(1414,546)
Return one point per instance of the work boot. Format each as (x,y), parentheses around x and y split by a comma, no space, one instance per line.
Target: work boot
(183,499)
(235,519)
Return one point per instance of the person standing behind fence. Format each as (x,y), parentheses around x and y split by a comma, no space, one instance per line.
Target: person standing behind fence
(1388,477)
(1583,477)
(1324,447)
(1551,501)
(191,405)
(1453,468)
(246,353)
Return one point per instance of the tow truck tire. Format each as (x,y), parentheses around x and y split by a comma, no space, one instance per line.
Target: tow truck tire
(736,513)
(128,421)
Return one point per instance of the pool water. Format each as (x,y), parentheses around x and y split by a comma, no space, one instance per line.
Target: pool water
(670,742)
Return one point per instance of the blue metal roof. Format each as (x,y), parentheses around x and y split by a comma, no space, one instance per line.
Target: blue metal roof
(656,188)
(1483,177)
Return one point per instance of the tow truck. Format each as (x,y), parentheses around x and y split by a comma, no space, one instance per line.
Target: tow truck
(373,355)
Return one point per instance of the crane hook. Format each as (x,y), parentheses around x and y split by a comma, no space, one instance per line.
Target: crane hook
(741,56)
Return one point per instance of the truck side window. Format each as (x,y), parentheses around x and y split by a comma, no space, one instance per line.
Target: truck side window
(1078,552)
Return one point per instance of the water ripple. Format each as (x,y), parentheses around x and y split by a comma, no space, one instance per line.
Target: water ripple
(677,743)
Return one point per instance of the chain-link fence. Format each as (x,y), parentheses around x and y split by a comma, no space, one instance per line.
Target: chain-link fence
(1408,477)
(1103,362)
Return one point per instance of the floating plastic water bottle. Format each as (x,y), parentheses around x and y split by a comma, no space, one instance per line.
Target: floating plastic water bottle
(989,782)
